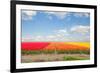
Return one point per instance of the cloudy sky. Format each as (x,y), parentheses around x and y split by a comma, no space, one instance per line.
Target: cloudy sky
(55,26)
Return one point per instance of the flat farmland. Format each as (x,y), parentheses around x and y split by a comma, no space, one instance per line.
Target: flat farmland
(54,51)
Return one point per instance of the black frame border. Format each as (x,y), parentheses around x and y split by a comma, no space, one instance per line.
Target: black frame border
(13,36)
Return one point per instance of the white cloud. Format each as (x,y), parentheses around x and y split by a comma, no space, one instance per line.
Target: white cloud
(27,15)
(63,35)
(80,29)
(44,38)
(51,36)
(62,31)
(28,38)
(60,15)
(58,35)
(38,38)
(30,13)
(81,14)
(86,14)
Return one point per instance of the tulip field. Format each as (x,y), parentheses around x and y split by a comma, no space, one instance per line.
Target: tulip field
(54,51)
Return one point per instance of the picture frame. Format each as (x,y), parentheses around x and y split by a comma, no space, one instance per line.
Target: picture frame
(19,18)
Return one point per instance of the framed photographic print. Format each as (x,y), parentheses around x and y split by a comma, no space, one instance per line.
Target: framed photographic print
(52,36)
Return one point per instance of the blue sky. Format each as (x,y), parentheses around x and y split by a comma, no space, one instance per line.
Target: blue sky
(55,26)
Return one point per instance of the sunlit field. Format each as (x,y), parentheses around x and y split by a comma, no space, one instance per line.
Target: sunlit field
(54,51)
(85,44)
